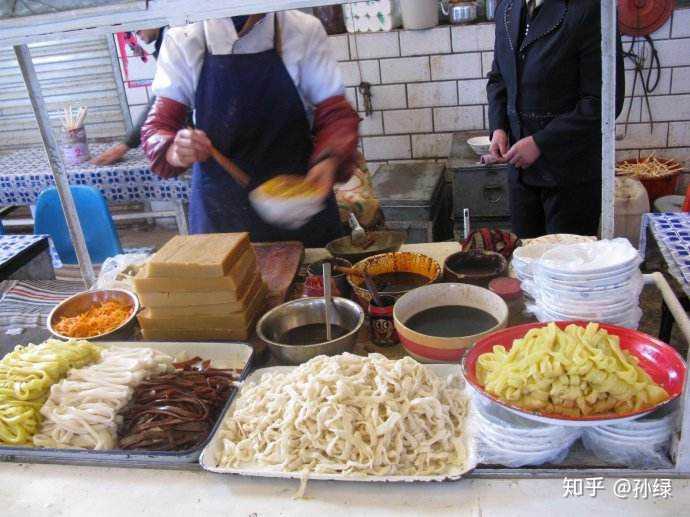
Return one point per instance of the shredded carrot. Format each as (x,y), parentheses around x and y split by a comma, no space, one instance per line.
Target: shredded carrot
(99,319)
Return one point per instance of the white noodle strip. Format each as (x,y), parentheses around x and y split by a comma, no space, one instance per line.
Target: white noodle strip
(349,415)
(81,411)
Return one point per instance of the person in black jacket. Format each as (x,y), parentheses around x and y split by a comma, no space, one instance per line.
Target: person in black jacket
(544,94)
(132,139)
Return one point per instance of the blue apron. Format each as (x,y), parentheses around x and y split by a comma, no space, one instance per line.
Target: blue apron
(251,110)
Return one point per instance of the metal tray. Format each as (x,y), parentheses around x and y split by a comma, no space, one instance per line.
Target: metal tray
(222,355)
(209,458)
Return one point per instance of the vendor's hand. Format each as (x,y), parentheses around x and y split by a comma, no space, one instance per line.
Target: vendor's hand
(524,153)
(322,176)
(189,146)
(112,155)
(499,145)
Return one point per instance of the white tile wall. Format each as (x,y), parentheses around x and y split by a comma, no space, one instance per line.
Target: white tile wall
(387,147)
(408,121)
(459,118)
(435,145)
(679,134)
(386,97)
(422,95)
(456,66)
(352,76)
(136,95)
(681,80)
(405,70)
(640,136)
(669,107)
(473,38)
(472,91)
(425,42)
(681,23)
(373,45)
(371,125)
(429,83)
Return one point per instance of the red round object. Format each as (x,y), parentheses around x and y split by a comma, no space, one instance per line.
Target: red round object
(429,354)
(660,361)
(642,17)
(506,287)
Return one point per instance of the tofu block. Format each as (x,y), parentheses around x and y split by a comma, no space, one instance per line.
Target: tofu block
(185,303)
(198,256)
(191,321)
(240,273)
(177,299)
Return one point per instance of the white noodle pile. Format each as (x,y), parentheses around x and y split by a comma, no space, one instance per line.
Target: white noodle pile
(351,415)
(81,410)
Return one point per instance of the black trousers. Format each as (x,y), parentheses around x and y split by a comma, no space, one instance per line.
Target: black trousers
(536,210)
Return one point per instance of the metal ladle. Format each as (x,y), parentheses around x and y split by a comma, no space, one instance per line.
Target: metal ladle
(327,297)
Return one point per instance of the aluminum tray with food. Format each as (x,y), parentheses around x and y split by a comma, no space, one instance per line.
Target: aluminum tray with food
(443,446)
(51,440)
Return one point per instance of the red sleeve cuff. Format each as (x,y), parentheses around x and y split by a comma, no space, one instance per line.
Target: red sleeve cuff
(164,120)
(336,134)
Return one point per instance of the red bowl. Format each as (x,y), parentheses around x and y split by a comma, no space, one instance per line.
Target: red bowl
(660,361)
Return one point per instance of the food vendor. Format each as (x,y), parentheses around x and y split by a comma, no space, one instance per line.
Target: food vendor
(544,94)
(267,93)
(133,137)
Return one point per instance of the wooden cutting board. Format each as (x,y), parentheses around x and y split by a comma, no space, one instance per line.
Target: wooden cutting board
(278,263)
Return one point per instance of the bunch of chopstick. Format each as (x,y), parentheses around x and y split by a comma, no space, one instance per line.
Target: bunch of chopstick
(74,119)
(649,167)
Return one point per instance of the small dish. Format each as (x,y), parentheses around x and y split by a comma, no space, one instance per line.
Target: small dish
(82,302)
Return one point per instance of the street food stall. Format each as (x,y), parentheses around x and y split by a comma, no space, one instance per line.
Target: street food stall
(395,365)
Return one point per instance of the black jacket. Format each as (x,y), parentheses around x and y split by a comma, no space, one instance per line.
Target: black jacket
(550,87)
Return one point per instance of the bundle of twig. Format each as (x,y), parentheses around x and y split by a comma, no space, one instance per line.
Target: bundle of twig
(72,119)
(648,168)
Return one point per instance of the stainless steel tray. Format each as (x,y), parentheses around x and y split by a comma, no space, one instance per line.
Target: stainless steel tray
(209,458)
(222,355)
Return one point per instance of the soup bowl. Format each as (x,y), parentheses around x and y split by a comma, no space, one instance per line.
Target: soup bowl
(399,262)
(434,349)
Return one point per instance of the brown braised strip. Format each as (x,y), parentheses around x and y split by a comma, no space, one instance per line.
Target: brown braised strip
(176,411)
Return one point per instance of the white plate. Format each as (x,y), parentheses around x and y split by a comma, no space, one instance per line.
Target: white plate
(209,457)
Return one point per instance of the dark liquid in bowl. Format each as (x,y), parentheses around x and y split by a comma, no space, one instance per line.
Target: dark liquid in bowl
(398,281)
(311,334)
(451,321)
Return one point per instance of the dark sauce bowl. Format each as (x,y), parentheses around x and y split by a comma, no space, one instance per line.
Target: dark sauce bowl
(474,267)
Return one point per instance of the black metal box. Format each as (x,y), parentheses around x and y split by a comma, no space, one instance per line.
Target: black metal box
(413,197)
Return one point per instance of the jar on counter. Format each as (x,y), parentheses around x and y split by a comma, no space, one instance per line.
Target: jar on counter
(510,290)
(381,325)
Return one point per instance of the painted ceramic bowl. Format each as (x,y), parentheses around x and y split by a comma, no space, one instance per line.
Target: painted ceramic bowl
(399,262)
(432,349)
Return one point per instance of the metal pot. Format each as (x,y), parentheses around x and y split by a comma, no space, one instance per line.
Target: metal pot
(459,13)
(309,311)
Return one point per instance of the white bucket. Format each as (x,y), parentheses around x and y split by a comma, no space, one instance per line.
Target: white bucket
(419,14)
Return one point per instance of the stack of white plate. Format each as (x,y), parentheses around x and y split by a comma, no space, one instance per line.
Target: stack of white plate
(642,443)
(505,438)
(524,257)
(593,281)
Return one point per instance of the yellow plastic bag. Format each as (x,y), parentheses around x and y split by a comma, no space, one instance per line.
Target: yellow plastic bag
(357,196)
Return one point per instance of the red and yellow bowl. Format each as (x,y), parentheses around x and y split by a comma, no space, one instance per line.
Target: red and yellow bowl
(432,349)
(660,361)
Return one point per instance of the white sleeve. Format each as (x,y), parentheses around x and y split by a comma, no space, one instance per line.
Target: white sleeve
(176,70)
(320,76)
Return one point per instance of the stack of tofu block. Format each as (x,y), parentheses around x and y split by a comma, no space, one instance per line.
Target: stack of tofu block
(200,287)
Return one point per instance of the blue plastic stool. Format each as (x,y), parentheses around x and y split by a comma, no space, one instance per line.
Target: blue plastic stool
(101,236)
